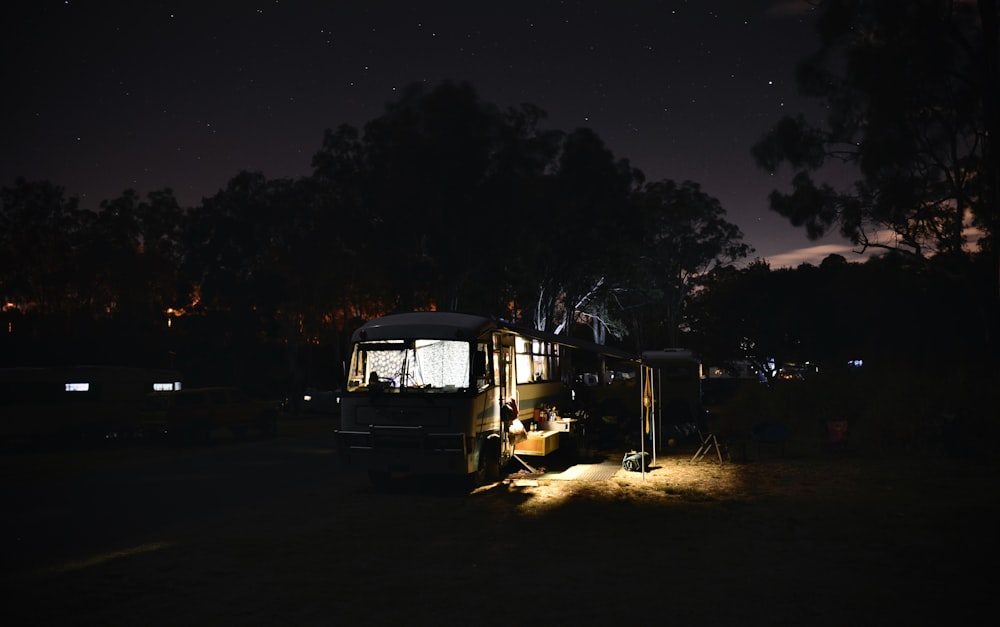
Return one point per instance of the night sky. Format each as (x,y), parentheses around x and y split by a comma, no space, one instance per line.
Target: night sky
(104,96)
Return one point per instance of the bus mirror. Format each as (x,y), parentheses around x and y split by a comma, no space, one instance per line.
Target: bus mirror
(479,364)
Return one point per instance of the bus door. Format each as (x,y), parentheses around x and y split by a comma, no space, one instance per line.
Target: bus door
(507,375)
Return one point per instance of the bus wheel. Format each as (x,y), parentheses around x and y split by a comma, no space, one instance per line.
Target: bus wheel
(489,465)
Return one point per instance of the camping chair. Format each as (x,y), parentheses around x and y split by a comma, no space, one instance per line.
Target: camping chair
(708,442)
(835,435)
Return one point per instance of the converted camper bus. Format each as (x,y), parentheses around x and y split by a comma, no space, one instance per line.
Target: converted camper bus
(445,393)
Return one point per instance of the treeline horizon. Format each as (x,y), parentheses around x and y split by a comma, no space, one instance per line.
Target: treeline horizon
(443,202)
(446,201)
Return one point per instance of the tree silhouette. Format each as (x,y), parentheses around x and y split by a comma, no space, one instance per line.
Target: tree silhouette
(443,201)
(130,255)
(428,158)
(684,235)
(575,248)
(335,225)
(39,234)
(521,185)
(912,97)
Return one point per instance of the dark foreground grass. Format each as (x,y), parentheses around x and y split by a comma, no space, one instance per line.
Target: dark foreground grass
(805,541)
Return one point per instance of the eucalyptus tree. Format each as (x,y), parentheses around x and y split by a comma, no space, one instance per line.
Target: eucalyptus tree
(685,234)
(339,249)
(131,256)
(520,183)
(427,205)
(231,239)
(912,92)
(40,237)
(579,247)
(237,246)
(427,161)
(339,280)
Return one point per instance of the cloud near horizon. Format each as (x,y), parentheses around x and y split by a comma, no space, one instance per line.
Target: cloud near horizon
(814,255)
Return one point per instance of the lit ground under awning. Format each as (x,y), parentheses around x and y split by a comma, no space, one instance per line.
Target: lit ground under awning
(588,472)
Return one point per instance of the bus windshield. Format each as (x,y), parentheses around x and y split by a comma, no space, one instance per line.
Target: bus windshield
(410,366)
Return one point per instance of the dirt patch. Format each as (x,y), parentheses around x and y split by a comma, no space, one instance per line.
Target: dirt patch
(677,477)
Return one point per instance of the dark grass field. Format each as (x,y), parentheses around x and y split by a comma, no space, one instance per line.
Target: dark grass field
(797,540)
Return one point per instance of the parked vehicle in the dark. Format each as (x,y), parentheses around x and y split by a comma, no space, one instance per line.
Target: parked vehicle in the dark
(316,401)
(199,414)
(76,404)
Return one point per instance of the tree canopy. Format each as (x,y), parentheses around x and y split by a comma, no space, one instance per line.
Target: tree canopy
(442,202)
(912,99)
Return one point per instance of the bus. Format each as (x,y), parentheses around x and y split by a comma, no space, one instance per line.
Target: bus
(76,403)
(443,393)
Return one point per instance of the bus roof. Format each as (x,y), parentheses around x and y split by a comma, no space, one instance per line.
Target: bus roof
(433,325)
